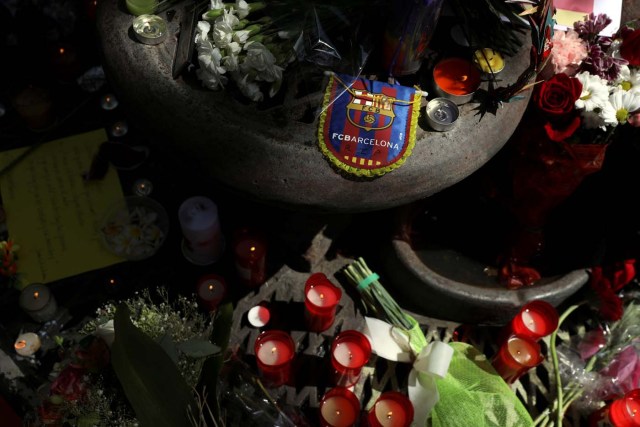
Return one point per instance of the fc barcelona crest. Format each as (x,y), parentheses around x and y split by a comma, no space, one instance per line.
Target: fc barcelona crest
(367,128)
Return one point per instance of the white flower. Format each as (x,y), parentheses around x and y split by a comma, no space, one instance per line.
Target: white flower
(210,71)
(202,32)
(230,62)
(258,57)
(594,92)
(222,34)
(234,48)
(622,104)
(211,80)
(249,89)
(228,18)
(241,36)
(216,5)
(628,80)
(243,8)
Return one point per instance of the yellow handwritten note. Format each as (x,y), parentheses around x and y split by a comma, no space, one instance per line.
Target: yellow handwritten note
(52,213)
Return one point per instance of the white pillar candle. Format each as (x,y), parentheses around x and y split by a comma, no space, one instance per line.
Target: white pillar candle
(27,344)
(38,302)
(203,240)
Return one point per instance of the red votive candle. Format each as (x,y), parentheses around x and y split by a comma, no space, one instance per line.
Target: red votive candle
(321,298)
(515,357)
(250,251)
(274,352)
(623,412)
(350,351)
(456,79)
(339,407)
(211,290)
(392,409)
(65,61)
(536,320)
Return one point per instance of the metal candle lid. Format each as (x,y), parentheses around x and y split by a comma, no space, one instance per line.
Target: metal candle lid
(442,114)
(150,29)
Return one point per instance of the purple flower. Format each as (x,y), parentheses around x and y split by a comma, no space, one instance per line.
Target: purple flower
(601,64)
(591,27)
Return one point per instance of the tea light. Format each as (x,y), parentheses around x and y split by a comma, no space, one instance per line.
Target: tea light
(203,242)
(27,344)
(142,187)
(488,60)
(456,79)
(623,412)
(38,302)
(536,320)
(392,409)
(108,102)
(250,250)
(112,285)
(321,300)
(274,352)
(141,7)
(350,351)
(66,63)
(119,128)
(442,114)
(35,107)
(211,289)
(150,29)
(258,316)
(515,357)
(339,407)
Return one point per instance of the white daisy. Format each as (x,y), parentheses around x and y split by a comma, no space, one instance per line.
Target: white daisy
(622,104)
(594,92)
(628,80)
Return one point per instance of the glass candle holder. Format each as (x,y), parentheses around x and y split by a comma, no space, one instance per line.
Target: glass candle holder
(536,320)
(203,242)
(392,409)
(456,79)
(623,412)
(27,344)
(38,302)
(274,353)
(350,351)
(250,252)
(515,357)
(211,290)
(150,29)
(339,407)
(321,298)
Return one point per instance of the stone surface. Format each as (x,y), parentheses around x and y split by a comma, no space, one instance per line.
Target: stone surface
(269,154)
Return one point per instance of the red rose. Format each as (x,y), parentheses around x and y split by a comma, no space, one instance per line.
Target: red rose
(630,49)
(556,99)
(69,384)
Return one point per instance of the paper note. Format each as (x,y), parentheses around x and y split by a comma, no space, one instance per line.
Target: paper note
(53,214)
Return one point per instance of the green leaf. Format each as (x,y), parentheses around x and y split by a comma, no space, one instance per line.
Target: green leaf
(212,366)
(151,381)
(198,348)
(169,346)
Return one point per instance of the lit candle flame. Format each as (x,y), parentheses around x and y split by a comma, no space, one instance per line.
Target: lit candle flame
(321,296)
(20,344)
(211,287)
(112,281)
(350,355)
(273,350)
(36,295)
(252,248)
(337,412)
(463,78)
(61,50)
(389,415)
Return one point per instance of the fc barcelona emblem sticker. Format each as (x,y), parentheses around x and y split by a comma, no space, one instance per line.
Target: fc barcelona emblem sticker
(367,128)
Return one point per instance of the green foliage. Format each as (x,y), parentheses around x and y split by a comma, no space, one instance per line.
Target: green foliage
(151,381)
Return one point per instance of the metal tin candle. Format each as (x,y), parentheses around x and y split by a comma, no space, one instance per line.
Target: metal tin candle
(456,79)
(250,251)
(211,290)
(442,114)
(321,298)
(488,60)
(38,302)
(150,29)
(108,102)
(339,407)
(350,351)
(274,352)
(27,344)
(515,357)
(536,320)
(203,242)
(623,412)
(392,409)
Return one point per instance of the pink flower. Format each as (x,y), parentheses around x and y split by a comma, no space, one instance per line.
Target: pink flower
(621,375)
(568,52)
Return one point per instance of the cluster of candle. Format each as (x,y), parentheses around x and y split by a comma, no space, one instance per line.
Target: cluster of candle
(519,349)
(340,407)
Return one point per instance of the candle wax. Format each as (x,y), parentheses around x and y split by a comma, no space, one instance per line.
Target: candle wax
(456,76)
(258,316)
(349,355)
(390,413)
(27,344)
(533,321)
(522,352)
(211,290)
(337,411)
(273,353)
(322,296)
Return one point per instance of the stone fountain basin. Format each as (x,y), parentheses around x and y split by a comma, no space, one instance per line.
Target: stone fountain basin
(270,154)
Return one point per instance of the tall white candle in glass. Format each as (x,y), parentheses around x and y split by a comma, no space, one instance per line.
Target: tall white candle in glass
(38,302)
(203,241)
